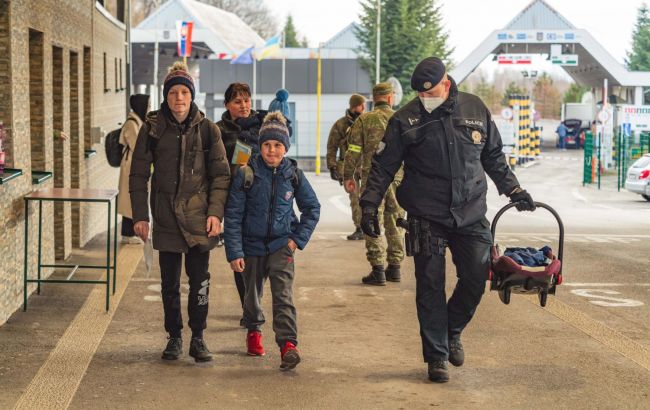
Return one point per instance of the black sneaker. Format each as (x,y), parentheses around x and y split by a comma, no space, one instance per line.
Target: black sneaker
(174,349)
(456,354)
(377,277)
(438,371)
(220,241)
(393,273)
(199,351)
(356,235)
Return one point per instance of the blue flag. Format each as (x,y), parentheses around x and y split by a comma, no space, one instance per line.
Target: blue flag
(246,57)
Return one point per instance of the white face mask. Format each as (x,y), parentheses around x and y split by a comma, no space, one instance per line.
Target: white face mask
(431,103)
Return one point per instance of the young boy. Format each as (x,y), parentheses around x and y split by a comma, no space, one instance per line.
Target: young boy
(262,233)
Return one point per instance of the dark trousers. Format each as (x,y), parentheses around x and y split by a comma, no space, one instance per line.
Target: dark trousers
(278,267)
(241,289)
(442,320)
(196,268)
(127,227)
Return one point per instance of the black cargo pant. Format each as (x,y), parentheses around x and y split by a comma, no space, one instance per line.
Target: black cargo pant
(278,267)
(196,268)
(442,320)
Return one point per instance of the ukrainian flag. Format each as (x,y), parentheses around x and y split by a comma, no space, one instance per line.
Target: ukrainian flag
(271,48)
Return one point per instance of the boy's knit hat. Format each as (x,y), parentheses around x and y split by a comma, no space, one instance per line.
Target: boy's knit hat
(275,128)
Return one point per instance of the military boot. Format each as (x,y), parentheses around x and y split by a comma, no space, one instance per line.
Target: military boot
(438,371)
(356,235)
(376,277)
(393,273)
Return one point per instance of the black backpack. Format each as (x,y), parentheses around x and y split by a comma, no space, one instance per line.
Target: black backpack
(114,150)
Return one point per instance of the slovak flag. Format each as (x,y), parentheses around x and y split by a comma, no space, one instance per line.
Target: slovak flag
(184,31)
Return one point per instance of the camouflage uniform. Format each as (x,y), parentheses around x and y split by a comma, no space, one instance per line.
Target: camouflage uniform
(364,138)
(337,142)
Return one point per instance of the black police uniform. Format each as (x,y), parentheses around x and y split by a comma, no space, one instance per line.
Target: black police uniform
(446,154)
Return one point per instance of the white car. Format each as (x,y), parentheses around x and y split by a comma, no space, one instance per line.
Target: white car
(638,177)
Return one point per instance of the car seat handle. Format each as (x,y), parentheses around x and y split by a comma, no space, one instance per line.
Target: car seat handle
(538,205)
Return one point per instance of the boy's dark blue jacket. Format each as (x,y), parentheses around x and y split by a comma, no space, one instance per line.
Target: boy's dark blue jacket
(260,220)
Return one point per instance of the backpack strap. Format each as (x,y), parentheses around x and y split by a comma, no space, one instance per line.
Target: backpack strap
(249,177)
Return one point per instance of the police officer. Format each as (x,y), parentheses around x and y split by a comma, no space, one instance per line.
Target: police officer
(364,138)
(447,142)
(337,142)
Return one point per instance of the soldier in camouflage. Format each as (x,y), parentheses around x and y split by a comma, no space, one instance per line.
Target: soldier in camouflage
(338,143)
(363,141)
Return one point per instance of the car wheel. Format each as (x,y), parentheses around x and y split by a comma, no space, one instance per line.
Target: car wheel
(647,197)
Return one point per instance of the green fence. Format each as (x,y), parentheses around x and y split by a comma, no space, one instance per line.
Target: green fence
(628,148)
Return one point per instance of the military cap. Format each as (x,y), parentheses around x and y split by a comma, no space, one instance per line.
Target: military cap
(356,100)
(382,89)
(427,74)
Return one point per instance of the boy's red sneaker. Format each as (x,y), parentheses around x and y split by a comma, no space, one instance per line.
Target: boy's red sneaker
(290,357)
(254,343)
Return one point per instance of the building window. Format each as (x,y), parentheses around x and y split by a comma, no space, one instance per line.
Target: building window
(646,95)
(117,88)
(121,81)
(105,75)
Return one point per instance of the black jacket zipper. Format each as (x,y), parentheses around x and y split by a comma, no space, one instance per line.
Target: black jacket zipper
(271,212)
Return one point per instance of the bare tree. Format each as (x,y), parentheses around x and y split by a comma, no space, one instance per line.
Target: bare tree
(255,13)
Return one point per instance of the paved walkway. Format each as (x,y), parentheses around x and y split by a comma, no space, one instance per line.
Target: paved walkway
(360,347)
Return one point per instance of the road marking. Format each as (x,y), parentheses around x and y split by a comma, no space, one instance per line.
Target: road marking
(58,379)
(606,301)
(609,208)
(598,331)
(338,203)
(578,196)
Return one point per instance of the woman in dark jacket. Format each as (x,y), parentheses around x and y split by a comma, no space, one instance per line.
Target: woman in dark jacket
(189,191)
(239,123)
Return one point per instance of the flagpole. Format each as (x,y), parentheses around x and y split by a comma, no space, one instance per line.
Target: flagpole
(284,60)
(318,93)
(254,80)
(378,59)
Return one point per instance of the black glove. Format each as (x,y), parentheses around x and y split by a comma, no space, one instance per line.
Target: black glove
(370,222)
(335,175)
(523,200)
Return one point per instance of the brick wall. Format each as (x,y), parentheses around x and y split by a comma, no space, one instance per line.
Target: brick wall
(39,96)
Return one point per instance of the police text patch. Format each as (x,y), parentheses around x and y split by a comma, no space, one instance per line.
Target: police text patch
(471,123)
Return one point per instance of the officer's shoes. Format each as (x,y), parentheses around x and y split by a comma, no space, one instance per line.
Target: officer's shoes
(438,371)
(174,349)
(377,277)
(356,235)
(456,354)
(199,351)
(393,273)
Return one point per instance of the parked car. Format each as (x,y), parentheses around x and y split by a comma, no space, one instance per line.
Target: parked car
(575,136)
(638,177)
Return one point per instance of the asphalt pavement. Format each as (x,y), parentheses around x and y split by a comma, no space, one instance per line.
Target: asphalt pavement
(589,348)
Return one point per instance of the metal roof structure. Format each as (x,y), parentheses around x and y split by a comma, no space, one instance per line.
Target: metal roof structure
(535,29)
(221,31)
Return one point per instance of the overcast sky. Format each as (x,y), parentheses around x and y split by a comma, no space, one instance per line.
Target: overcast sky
(469,22)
